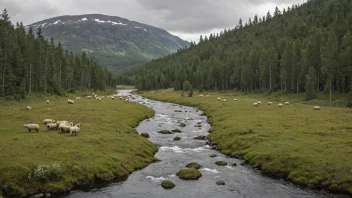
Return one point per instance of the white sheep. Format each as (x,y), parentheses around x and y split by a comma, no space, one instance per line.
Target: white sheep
(207,95)
(75,129)
(121,98)
(126,100)
(31,127)
(47,102)
(112,98)
(287,103)
(219,99)
(65,128)
(61,125)
(255,104)
(316,108)
(70,101)
(200,95)
(279,105)
(47,121)
(51,126)
(259,102)
(89,97)
(224,100)
(270,103)
(78,98)
(235,99)
(29,108)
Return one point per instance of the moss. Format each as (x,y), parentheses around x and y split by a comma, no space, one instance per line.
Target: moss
(178,111)
(176,131)
(165,132)
(177,138)
(221,163)
(213,155)
(146,135)
(189,174)
(167,184)
(182,124)
(198,125)
(201,137)
(193,165)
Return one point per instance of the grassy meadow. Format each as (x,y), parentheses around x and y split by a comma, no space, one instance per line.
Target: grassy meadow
(106,147)
(294,142)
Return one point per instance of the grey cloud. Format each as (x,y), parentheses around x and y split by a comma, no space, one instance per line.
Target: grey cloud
(30,10)
(182,16)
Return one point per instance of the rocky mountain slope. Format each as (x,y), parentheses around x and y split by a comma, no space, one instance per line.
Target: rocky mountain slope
(113,41)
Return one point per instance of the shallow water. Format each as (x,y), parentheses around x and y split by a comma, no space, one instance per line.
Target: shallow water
(240,181)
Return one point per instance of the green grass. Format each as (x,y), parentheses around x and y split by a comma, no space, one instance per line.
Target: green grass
(307,146)
(106,147)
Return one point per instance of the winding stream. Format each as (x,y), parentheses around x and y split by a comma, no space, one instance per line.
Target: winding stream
(240,181)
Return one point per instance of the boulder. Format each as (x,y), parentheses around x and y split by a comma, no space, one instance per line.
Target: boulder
(202,137)
(177,138)
(165,132)
(176,131)
(220,182)
(146,135)
(167,184)
(182,124)
(213,155)
(189,174)
(194,165)
(221,163)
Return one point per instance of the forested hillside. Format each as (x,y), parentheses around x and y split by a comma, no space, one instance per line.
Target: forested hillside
(303,48)
(30,63)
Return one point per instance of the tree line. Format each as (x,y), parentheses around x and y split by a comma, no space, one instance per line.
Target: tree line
(30,63)
(303,48)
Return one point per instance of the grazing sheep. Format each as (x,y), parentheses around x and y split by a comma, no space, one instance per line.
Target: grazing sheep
(316,108)
(70,101)
(61,125)
(65,128)
(89,97)
(201,95)
(47,121)
(224,100)
(287,103)
(270,103)
(74,129)
(78,98)
(29,108)
(47,102)
(259,102)
(126,100)
(51,126)
(31,127)
(219,99)
(112,98)
(235,99)
(121,98)
(207,95)
(255,104)
(279,105)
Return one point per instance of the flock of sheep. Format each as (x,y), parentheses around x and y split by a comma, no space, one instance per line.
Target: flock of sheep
(65,126)
(258,103)
(50,124)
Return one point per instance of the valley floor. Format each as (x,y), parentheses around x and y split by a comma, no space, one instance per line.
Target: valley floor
(308,147)
(106,147)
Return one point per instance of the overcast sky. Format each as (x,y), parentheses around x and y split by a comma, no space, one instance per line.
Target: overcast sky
(187,19)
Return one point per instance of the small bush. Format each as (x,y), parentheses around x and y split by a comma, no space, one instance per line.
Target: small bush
(47,173)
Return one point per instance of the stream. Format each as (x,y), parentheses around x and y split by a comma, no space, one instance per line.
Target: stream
(240,181)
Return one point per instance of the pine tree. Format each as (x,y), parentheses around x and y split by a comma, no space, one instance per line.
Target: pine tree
(311,80)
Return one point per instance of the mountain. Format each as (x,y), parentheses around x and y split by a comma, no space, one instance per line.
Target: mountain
(113,41)
(300,49)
